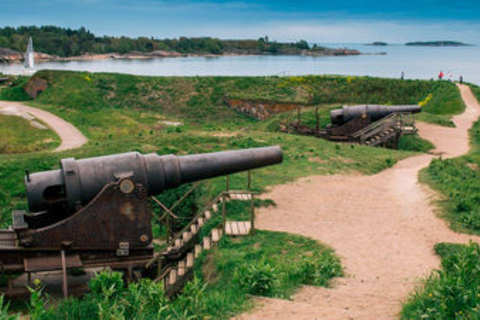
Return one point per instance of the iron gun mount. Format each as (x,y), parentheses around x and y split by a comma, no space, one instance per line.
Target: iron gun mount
(373,112)
(372,124)
(97,210)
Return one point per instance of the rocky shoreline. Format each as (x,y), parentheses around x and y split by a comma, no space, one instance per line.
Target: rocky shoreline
(12,56)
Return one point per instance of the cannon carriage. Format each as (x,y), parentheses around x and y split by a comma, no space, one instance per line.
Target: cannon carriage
(364,124)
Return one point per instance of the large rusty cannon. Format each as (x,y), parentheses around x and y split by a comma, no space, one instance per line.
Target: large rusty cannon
(373,112)
(97,210)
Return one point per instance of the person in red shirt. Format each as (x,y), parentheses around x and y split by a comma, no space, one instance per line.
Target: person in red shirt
(440,75)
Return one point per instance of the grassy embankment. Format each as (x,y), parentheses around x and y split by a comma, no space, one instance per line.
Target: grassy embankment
(120,113)
(458,180)
(19,136)
(453,291)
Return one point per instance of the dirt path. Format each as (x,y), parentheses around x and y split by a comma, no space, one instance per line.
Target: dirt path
(71,137)
(382,226)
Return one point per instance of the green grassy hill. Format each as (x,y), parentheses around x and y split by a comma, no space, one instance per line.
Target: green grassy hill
(121,113)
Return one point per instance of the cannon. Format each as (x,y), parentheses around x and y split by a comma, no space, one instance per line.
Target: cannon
(356,123)
(97,211)
(373,112)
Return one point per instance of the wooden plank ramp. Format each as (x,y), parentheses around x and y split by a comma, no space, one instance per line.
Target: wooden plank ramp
(238,228)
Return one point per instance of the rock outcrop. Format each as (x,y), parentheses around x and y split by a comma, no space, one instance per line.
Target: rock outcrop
(9,55)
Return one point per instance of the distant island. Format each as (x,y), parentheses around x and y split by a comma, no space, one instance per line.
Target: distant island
(64,44)
(377,43)
(437,43)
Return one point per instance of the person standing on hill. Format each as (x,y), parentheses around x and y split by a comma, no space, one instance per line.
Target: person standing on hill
(440,75)
(450,76)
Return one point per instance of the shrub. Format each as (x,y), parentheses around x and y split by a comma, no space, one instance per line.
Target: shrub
(258,278)
(318,270)
(106,284)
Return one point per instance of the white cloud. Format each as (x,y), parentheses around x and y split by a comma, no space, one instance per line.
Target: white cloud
(347,31)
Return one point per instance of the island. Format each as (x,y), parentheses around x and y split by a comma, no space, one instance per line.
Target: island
(377,43)
(60,44)
(447,43)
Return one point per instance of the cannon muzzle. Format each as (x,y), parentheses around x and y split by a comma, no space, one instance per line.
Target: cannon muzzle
(79,181)
(374,112)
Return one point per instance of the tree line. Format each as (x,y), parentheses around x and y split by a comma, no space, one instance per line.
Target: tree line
(66,42)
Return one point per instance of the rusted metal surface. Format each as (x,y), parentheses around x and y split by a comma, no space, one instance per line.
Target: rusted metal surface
(51,263)
(111,218)
(365,124)
(346,130)
(374,112)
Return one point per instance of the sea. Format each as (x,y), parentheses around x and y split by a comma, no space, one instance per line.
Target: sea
(414,62)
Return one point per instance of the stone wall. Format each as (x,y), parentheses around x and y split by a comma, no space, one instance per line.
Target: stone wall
(260,109)
(35,86)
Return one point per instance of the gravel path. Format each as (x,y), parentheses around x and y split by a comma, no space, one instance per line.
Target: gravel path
(382,226)
(71,137)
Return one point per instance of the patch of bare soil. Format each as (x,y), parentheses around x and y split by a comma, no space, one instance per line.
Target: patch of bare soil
(383,227)
(71,137)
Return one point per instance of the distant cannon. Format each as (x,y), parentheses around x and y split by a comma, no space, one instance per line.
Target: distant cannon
(372,124)
(364,124)
(374,112)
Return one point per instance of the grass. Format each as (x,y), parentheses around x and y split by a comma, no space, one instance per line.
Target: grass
(199,101)
(19,136)
(282,261)
(451,292)
(414,143)
(15,92)
(457,180)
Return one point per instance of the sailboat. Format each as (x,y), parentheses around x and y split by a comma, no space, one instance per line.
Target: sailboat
(30,55)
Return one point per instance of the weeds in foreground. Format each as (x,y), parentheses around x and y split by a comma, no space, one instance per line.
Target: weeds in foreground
(268,264)
(258,279)
(452,292)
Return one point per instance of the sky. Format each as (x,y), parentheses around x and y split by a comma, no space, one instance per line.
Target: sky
(317,21)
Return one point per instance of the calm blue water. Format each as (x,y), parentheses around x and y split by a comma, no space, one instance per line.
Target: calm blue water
(415,62)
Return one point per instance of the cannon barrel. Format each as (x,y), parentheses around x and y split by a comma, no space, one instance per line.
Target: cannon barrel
(77,182)
(375,112)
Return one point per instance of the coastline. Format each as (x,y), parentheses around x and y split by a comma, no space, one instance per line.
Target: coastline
(42,57)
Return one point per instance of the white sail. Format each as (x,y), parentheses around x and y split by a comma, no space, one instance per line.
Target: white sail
(30,55)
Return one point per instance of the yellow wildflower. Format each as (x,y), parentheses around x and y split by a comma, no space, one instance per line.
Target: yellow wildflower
(426,101)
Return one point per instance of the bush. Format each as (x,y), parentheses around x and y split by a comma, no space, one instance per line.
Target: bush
(259,279)
(315,271)
(106,284)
